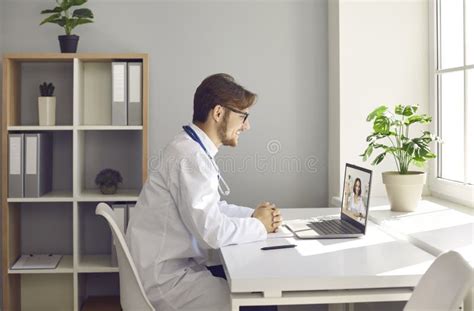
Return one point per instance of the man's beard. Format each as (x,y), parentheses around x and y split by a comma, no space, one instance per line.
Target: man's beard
(222,130)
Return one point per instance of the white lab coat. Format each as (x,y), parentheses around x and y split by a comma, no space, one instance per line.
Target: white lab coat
(178,217)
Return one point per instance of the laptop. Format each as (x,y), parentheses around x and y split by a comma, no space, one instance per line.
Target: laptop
(352,221)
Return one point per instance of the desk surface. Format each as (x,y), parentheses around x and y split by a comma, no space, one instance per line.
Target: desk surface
(375,261)
(435,226)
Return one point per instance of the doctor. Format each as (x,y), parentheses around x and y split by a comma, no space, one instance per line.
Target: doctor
(179,214)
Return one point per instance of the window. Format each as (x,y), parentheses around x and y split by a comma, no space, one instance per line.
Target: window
(453,98)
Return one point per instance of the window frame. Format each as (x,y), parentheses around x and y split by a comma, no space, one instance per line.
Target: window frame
(457,192)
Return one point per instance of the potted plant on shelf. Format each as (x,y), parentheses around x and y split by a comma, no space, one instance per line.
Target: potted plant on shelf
(62,16)
(108,180)
(47,104)
(403,186)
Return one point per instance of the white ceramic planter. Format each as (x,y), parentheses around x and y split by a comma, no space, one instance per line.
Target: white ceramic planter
(404,191)
(47,110)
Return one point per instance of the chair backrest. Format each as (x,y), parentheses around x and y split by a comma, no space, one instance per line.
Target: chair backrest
(132,294)
(443,286)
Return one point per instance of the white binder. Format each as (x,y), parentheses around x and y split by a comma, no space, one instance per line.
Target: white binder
(38,164)
(16,165)
(119,93)
(119,215)
(134,113)
(130,212)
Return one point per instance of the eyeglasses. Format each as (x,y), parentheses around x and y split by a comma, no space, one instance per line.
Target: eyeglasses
(245,114)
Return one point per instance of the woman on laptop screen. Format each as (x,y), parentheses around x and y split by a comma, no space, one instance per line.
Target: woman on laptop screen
(356,195)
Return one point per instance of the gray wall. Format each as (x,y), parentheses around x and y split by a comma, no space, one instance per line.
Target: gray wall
(275,48)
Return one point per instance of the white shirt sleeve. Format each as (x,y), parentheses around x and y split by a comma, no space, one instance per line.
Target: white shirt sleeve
(232,210)
(197,199)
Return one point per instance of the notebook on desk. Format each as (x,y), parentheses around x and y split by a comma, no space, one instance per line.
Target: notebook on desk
(352,221)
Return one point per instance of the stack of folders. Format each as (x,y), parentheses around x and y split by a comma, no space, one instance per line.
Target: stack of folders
(126,93)
(30,164)
(122,214)
(37,261)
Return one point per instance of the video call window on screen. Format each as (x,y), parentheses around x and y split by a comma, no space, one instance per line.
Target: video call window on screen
(356,194)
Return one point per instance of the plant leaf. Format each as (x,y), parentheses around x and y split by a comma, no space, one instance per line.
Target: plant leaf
(418,163)
(77,2)
(51,19)
(382,125)
(57,9)
(83,13)
(368,152)
(409,148)
(379,111)
(423,119)
(378,159)
(399,109)
(80,21)
(65,5)
(405,110)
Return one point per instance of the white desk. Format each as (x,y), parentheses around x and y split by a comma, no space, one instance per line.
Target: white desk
(376,267)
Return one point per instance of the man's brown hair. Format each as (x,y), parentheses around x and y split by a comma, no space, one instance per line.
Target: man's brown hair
(220,89)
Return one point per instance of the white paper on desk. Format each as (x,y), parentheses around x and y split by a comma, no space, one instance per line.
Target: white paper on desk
(282,232)
(37,261)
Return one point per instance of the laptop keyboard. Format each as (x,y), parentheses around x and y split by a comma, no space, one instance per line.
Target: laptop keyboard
(333,226)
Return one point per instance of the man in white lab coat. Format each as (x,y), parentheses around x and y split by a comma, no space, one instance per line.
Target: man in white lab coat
(179,214)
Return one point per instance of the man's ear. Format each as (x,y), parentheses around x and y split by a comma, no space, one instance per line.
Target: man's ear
(217,113)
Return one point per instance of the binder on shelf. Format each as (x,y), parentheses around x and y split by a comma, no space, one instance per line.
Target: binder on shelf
(38,164)
(134,113)
(37,261)
(119,93)
(130,212)
(16,165)
(119,215)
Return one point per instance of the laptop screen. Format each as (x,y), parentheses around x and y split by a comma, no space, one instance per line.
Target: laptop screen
(356,193)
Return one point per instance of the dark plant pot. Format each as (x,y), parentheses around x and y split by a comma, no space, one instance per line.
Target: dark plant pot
(108,189)
(68,43)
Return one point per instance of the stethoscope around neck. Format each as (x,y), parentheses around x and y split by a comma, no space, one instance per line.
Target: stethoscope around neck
(222,185)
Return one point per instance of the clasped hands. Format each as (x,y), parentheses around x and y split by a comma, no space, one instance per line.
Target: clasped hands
(269,215)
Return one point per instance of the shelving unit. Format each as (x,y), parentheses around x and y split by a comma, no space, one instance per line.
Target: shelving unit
(63,221)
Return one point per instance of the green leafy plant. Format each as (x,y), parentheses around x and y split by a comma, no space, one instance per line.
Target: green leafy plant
(394,128)
(46,89)
(62,16)
(108,177)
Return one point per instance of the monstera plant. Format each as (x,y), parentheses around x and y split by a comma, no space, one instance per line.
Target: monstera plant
(392,136)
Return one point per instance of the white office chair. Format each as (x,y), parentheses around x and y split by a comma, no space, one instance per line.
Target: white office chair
(132,294)
(443,286)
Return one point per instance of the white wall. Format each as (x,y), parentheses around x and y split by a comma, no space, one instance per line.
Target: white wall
(383,59)
(334,150)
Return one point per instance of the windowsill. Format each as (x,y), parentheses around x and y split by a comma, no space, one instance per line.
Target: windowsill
(435,226)
(383,201)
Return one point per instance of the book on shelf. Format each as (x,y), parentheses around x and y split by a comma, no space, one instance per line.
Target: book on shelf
(37,261)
